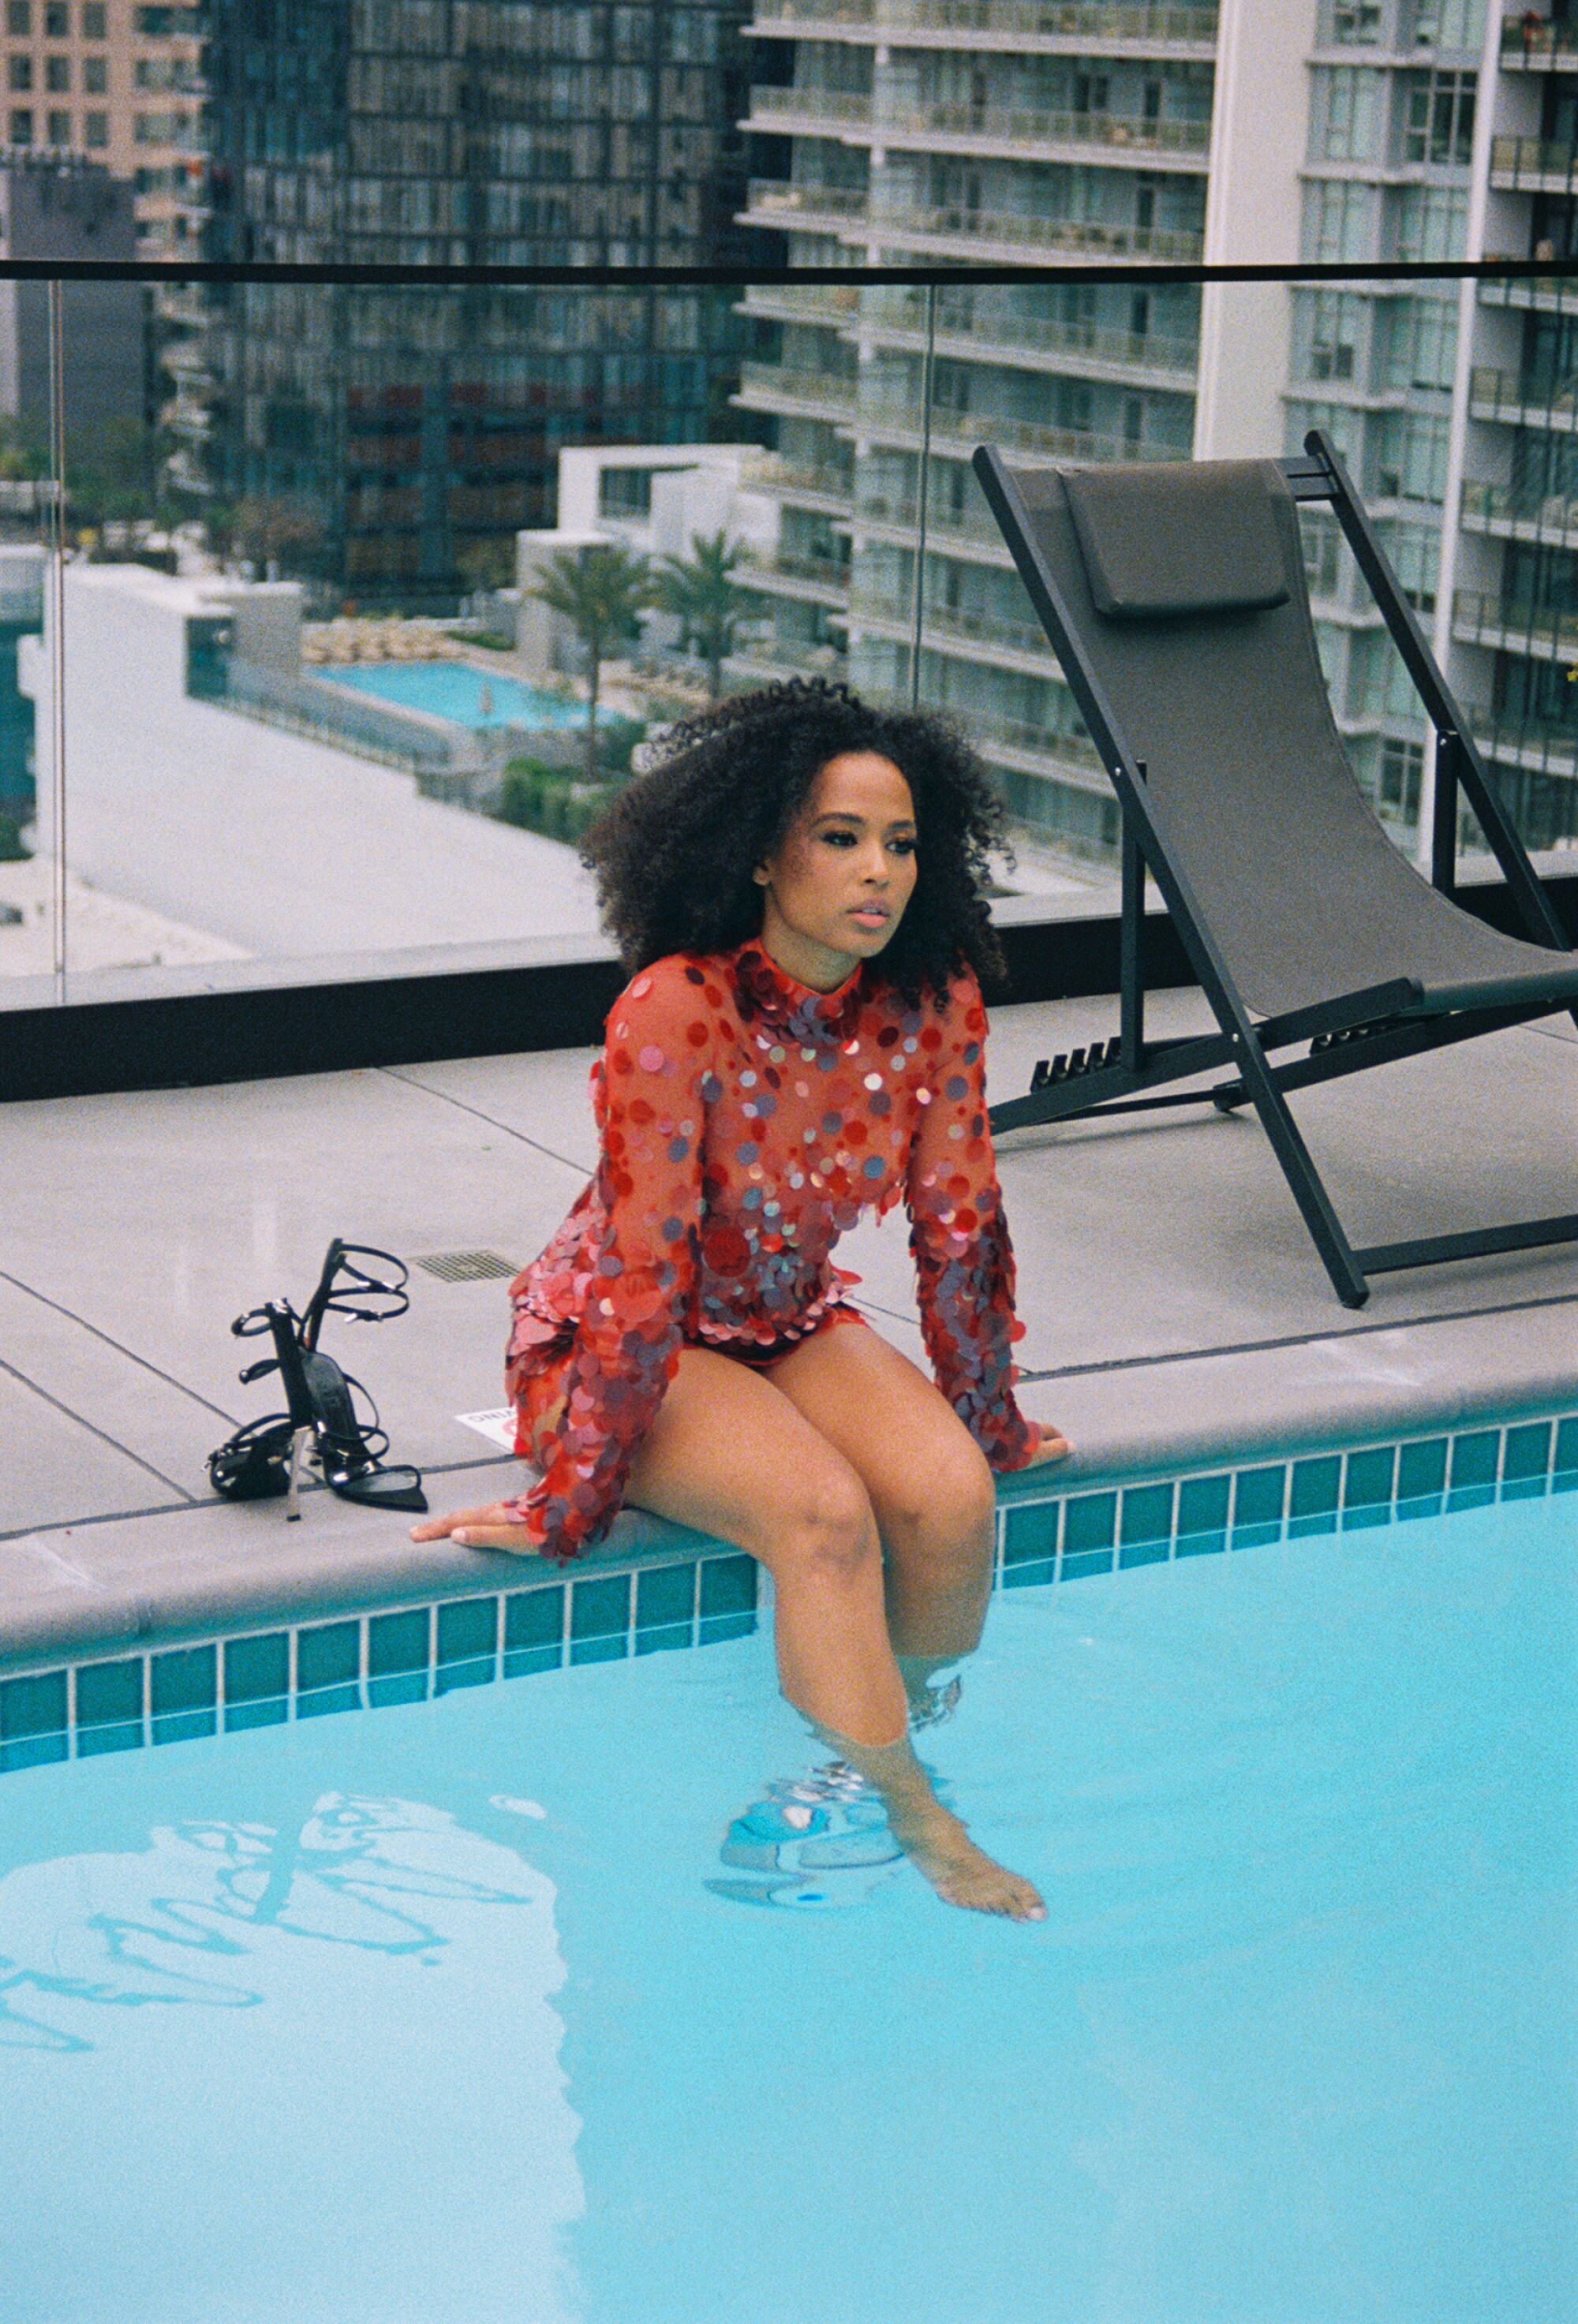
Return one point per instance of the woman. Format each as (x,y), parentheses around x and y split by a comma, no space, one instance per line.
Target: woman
(798,886)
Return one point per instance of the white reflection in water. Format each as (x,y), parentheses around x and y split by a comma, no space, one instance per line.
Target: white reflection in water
(360,1999)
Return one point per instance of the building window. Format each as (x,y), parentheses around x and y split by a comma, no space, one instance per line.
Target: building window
(57,74)
(18,73)
(60,129)
(1449,23)
(19,19)
(1335,320)
(1438,117)
(96,128)
(22,127)
(1402,770)
(1356,23)
(1421,343)
(1338,221)
(1349,114)
(1411,462)
(1322,551)
(93,24)
(94,76)
(1432,222)
(625,491)
(56,21)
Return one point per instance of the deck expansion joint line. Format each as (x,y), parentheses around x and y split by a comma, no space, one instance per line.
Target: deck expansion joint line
(130,1354)
(442,1097)
(213,1500)
(82,1421)
(1296,1340)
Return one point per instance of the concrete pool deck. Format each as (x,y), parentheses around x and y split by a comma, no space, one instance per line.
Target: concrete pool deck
(1175,1311)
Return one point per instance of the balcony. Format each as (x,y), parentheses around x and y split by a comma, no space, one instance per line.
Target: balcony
(828,305)
(1002,236)
(897,419)
(808,111)
(971,329)
(1126,141)
(1534,165)
(1539,746)
(1525,400)
(1549,519)
(822,490)
(1007,640)
(801,394)
(1481,617)
(814,580)
(778,203)
(1114,28)
(1538,46)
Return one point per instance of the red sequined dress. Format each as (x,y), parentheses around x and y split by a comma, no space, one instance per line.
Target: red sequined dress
(745,1121)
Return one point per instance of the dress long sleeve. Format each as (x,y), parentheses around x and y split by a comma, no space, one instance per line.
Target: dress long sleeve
(635,1274)
(964,1259)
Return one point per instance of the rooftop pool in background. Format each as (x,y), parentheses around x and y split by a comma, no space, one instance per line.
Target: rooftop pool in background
(456,691)
(486,1961)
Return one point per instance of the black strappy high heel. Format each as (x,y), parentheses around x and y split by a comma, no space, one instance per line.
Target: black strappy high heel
(263,1460)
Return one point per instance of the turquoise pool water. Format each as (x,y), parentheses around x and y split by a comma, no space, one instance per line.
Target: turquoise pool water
(454,690)
(394,2004)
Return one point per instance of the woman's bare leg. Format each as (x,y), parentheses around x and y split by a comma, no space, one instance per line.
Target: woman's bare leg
(730,1455)
(927,1480)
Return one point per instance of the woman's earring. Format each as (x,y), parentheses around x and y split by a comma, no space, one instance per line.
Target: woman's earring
(762,875)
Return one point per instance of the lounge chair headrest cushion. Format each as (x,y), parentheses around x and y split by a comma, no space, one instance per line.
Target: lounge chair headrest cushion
(1180,537)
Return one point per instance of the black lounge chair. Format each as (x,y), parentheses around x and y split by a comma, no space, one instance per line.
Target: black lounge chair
(1174,597)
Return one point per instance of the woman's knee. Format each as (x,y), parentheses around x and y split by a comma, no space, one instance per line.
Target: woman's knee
(824,1525)
(948,1511)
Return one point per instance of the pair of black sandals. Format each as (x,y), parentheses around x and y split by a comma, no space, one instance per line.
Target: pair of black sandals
(322,1426)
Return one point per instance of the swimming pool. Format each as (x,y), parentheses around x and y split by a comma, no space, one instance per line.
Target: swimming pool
(456,691)
(424,1990)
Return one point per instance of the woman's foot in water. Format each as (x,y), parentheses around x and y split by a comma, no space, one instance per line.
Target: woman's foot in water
(935,1842)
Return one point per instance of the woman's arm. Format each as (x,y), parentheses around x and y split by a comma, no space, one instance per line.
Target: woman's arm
(642,1267)
(963,1260)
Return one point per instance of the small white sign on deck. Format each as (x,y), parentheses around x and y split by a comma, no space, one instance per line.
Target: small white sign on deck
(498,1427)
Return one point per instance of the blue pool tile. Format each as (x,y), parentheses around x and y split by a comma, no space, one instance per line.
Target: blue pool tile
(1526,1460)
(399,1686)
(534,1619)
(1258,1495)
(468,1629)
(1203,1504)
(600,1611)
(1029,1534)
(1313,1492)
(610,1649)
(109,1707)
(1085,1561)
(1565,1459)
(1475,1458)
(1421,1478)
(327,1655)
(665,1600)
(32,1719)
(398,1643)
(665,1637)
(478,1669)
(33,1706)
(183,1693)
(728,1587)
(1145,1525)
(1090,1522)
(525,1662)
(324,1701)
(712,1629)
(1367,1488)
(257,1681)
(1028,1572)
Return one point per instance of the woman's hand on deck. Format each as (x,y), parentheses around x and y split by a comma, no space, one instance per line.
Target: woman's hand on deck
(1053,1444)
(489,1528)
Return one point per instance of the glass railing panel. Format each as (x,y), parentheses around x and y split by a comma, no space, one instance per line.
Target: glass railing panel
(33,882)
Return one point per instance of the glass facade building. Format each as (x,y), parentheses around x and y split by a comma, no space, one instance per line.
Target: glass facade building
(405,436)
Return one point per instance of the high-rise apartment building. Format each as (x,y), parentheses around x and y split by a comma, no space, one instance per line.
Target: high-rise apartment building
(416,427)
(961,130)
(121,83)
(1091,130)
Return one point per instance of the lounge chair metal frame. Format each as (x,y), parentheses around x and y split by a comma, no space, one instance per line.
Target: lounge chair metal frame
(1345,1035)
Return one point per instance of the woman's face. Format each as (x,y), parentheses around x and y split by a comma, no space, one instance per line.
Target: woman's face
(836,887)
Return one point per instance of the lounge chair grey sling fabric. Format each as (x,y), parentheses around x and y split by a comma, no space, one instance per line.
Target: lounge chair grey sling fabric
(1175,597)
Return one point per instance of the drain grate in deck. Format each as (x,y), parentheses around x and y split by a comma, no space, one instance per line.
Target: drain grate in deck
(465,1265)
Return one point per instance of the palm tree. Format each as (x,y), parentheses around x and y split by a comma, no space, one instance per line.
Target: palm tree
(700,590)
(602,593)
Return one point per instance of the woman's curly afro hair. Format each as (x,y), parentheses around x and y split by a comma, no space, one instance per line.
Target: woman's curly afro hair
(675,852)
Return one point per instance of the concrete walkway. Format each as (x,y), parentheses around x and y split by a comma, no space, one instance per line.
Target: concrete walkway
(1176,1315)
